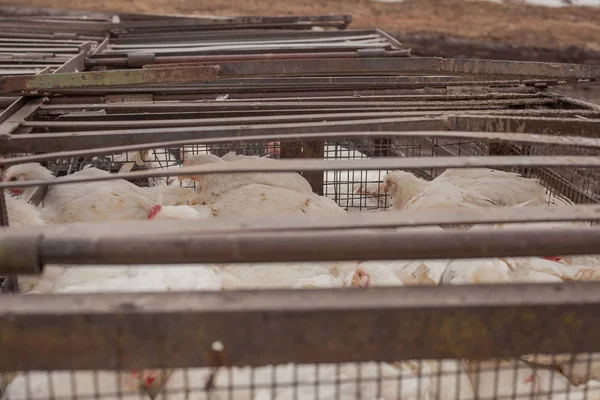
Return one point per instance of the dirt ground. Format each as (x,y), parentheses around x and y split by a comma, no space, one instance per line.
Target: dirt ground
(511,24)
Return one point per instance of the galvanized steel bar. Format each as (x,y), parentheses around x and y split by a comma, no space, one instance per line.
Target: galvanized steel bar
(104,331)
(35,84)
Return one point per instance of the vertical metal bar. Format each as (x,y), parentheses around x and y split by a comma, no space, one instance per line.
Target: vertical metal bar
(10,283)
(314,149)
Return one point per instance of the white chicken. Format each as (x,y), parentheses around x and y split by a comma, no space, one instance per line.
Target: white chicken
(581,368)
(261,200)
(476,271)
(21,213)
(212,184)
(271,275)
(486,186)
(371,275)
(170,195)
(151,158)
(409,273)
(182,213)
(552,384)
(319,281)
(79,202)
(128,385)
(500,379)
(592,261)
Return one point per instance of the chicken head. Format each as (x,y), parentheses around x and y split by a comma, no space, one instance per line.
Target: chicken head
(26,172)
(150,381)
(402,186)
(360,278)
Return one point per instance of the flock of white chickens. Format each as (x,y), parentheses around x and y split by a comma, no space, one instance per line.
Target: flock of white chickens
(260,194)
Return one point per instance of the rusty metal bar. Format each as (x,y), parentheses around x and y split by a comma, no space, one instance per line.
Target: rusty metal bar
(182,61)
(106,247)
(422,65)
(523,138)
(307,21)
(104,331)
(10,110)
(25,112)
(151,45)
(77,62)
(381,220)
(380,163)
(67,126)
(286,104)
(541,125)
(84,140)
(100,47)
(294,85)
(79,116)
(36,84)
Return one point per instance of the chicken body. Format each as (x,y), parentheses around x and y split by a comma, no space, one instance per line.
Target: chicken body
(263,200)
(476,271)
(446,195)
(104,384)
(21,213)
(210,185)
(268,275)
(85,202)
(479,186)
(503,188)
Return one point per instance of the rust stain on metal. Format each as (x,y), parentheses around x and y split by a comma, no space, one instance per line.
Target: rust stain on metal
(48,83)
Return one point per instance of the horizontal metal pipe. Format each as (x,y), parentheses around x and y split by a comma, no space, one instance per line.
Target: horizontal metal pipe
(395,219)
(377,66)
(293,165)
(323,245)
(525,138)
(179,61)
(108,331)
(348,114)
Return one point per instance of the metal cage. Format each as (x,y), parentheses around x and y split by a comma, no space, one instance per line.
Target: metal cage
(136,95)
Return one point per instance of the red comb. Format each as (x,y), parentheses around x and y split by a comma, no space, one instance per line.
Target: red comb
(154,210)
(3,174)
(552,258)
(359,262)
(149,380)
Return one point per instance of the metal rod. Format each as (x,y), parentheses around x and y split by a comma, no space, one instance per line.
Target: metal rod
(25,112)
(83,140)
(102,331)
(181,61)
(294,165)
(341,116)
(34,84)
(375,66)
(106,248)
(381,220)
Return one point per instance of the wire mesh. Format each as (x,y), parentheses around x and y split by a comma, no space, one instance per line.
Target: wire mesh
(448,379)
